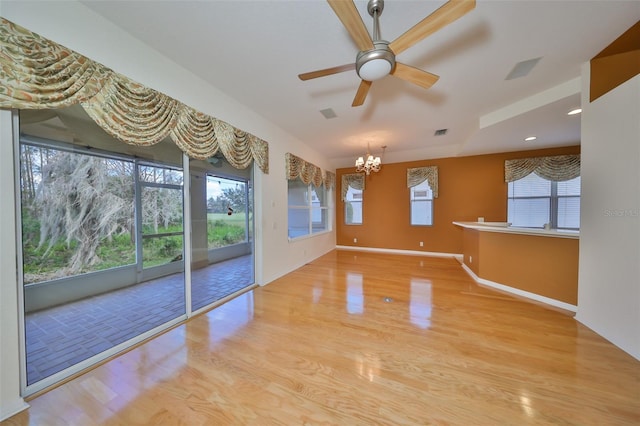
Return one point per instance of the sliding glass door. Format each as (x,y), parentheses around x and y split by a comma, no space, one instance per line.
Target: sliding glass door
(105,233)
(102,243)
(222,228)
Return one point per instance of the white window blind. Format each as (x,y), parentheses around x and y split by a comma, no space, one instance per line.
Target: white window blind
(421,199)
(353,206)
(534,201)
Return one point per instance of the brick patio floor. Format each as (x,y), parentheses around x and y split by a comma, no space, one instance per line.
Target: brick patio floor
(61,336)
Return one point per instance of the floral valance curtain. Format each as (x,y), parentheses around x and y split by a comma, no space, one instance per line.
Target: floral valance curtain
(417,175)
(354,180)
(37,73)
(330,180)
(557,168)
(307,172)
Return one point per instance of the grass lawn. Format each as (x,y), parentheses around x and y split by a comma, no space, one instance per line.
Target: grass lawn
(237,219)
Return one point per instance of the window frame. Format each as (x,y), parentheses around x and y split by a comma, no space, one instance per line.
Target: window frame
(145,272)
(347,203)
(429,198)
(248,211)
(553,199)
(325,210)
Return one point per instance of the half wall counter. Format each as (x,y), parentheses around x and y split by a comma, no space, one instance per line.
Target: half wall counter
(538,264)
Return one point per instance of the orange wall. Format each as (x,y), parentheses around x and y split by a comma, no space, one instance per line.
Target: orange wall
(471,252)
(469,187)
(547,266)
(617,63)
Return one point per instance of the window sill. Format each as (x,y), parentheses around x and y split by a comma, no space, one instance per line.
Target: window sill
(307,236)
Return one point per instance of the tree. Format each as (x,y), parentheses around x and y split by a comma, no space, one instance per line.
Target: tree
(211,202)
(218,204)
(78,207)
(235,197)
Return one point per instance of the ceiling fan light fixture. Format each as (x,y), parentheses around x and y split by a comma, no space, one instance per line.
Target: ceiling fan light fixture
(376,63)
(377,57)
(375,69)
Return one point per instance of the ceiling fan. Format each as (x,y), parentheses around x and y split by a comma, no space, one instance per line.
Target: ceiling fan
(377,58)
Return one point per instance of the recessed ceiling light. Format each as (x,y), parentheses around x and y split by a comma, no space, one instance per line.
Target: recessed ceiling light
(575,111)
(530,138)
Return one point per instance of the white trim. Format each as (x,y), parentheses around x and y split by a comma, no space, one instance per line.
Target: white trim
(305,236)
(506,228)
(17,202)
(186,232)
(482,281)
(396,251)
(11,307)
(518,292)
(6,411)
(546,97)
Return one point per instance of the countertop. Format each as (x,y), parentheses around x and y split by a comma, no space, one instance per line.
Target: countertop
(504,227)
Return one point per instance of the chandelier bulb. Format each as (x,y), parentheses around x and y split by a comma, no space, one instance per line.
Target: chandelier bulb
(372,164)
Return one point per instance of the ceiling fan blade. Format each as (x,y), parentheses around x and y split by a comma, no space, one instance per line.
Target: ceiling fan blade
(326,71)
(445,15)
(361,94)
(414,75)
(352,21)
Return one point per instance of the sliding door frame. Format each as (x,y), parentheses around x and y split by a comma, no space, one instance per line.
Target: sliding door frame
(78,368)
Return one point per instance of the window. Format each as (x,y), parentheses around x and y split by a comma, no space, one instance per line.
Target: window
(227,212)
(423,189)
(421,198)
(534,202)
(353,207)
(161,214)
(308,209)
(95,222)
(77,211)
(352,192)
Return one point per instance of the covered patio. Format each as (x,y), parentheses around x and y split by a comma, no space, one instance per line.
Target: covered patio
(61,336)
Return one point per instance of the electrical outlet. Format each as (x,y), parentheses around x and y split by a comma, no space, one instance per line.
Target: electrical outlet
(470,259)
(421,244)
(355,240)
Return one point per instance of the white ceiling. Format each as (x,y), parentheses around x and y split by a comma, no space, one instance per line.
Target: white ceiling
(254,50)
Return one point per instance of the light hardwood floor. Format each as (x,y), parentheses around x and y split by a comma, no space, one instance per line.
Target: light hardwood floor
(360,338)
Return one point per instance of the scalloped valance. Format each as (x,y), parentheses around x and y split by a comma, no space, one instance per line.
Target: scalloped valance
(37,73)
(417,175)
(557,168)
(354,180)
(307,172)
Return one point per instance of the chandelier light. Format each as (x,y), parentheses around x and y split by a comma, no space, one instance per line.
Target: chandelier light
(372,164)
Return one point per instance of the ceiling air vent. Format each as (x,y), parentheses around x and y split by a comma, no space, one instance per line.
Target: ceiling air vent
(523,68)
(328,113)
(440,132)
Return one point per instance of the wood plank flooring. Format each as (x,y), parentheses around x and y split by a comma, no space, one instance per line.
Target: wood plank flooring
(360,338)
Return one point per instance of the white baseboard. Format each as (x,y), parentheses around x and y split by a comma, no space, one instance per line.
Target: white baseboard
(482,281)
(518,292)
(9,410)
(397,251)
